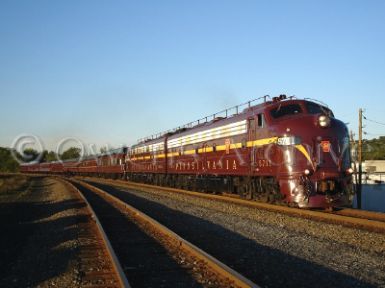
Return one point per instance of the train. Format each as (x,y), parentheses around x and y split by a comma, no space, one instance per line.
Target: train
(281,150)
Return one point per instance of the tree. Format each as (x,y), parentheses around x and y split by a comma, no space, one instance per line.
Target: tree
(374,149)
(30,155)
(71,153)
(48,156)
(51,156)
(7,162)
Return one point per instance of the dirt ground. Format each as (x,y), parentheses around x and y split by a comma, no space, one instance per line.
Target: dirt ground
(39,220)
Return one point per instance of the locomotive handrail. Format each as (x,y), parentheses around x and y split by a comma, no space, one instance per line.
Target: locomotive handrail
(205,119)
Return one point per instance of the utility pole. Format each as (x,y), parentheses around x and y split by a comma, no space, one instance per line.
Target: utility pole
(354,157)
(359,187)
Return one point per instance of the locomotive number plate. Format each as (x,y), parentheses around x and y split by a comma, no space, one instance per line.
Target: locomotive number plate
(325,146)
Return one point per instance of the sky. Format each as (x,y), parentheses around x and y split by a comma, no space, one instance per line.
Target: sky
(111,72)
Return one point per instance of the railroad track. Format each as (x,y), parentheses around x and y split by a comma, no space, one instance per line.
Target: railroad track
(152,255)
(368,215)
(99,265)
(358,219)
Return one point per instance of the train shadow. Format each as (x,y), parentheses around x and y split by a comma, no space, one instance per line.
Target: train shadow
(266,266)
(36,247)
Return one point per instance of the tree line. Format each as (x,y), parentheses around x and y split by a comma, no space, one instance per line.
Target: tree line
(7,161)
(374,149)
(9,164)
(50,156)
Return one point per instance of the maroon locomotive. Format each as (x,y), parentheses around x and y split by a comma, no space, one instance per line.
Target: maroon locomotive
(281,151)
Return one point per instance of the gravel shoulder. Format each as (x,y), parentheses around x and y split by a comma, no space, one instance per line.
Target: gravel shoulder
(271,249)
(39,222)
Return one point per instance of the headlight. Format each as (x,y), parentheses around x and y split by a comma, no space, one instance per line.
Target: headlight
(324,121)
(349,171)
(288,140)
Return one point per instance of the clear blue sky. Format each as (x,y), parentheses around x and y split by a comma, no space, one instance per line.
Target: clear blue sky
(114,71)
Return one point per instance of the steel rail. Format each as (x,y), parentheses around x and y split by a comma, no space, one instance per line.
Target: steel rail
(114,259)
(363,214)
(217,266)
(371,222)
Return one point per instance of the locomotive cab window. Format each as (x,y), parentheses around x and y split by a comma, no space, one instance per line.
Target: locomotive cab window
(313,108)
(287,110)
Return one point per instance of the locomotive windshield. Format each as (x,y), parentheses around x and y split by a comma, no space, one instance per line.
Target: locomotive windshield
(313,108)
(291,109)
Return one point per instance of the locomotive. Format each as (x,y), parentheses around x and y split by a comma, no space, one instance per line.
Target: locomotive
(284,150)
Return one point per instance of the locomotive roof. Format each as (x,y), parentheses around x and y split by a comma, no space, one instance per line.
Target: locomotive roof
(224,117)
(224,114)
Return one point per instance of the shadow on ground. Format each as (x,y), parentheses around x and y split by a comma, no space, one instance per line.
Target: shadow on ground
(32,249)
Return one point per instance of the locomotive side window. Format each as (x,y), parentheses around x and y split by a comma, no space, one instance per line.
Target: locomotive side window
(313,108)
(280,111)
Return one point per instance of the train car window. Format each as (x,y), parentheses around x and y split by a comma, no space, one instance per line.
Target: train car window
(280,111)
(261,120)
(313,108)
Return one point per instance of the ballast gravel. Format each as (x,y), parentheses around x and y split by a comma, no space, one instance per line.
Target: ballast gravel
(271,249)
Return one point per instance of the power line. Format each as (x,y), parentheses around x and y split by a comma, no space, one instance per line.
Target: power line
(374,134)
(374,121)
